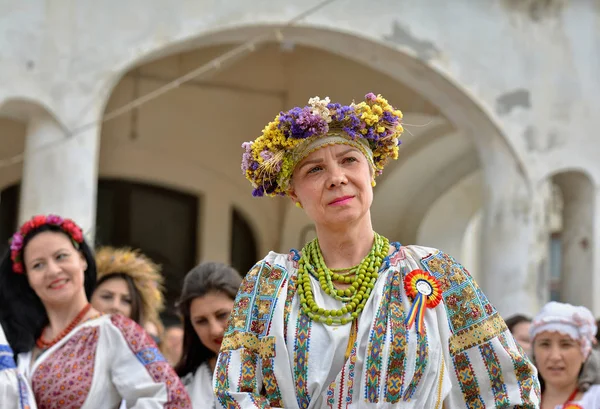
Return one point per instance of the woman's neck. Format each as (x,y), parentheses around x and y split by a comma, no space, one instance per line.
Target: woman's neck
(346,247)
(557,394)
(212,362)
(60,316)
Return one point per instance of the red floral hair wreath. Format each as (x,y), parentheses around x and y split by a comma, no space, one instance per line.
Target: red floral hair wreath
(16,243)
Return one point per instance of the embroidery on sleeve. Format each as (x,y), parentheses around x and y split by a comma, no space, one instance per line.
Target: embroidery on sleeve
(146,352)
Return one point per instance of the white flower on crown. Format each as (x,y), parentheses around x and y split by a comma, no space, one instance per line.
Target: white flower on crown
(319,107)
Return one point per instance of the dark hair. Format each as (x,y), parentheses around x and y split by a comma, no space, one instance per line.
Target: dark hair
(205,278)
(22,314)
(515,320)
(136,298)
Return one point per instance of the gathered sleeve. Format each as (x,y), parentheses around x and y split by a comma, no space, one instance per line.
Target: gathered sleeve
(244,376)
(140,373)
(486,367)
(15,392)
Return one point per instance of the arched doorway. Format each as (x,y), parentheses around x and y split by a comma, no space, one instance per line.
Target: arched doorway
(244,251)
(161,222)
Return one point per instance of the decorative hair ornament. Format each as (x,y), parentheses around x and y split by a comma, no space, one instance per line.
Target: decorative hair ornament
(16,242)
(373,126)
(146,275)
(576,322)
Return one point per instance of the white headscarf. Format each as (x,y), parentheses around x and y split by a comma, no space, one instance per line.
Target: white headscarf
(575,321)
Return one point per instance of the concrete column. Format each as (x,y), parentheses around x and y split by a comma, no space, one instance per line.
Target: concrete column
(577,239)
(514,252)
(60,175)
(215,242)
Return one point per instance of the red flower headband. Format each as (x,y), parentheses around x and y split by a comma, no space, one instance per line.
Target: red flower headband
(16,243)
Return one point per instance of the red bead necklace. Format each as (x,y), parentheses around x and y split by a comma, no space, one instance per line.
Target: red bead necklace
(42,344)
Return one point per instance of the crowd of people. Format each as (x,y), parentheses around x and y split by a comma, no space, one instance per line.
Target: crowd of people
(351,320)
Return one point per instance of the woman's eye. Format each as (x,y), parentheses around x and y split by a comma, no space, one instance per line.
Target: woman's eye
(350,159)
(315,169)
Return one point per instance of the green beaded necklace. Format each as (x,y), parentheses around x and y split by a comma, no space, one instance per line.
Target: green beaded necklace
(361,278)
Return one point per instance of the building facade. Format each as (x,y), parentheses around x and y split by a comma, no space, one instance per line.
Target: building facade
(499,165)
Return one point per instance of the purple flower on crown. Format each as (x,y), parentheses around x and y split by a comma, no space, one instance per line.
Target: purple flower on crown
(54,219)
(16,242)
(302,123)
(247,156)
(370,97)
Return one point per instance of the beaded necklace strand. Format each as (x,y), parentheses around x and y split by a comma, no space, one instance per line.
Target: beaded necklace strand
(361,278)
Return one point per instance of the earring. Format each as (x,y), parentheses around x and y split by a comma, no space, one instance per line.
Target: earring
(373,183)
(299,205)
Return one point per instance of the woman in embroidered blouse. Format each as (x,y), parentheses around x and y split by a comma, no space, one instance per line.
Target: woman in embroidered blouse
(354,321)
(206,302)
(72,356)
(569,369)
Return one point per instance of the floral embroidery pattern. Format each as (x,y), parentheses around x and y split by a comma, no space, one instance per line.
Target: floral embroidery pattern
(222,382)
(466,304)
(490,359)
(287,308)
(523,373)
(64,379)
(420,365)
(477,334)
(144,348)
(468,381)
(248,373)
(267,354)
(375,346)
(301,348)
(397,360)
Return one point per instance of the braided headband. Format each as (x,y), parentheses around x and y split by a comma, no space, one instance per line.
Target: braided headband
(16,243)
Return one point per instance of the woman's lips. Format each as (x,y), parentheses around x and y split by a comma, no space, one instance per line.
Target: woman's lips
(341,200)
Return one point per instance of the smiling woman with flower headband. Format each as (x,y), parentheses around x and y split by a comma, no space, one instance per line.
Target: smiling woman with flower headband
(72,356)
(353,320)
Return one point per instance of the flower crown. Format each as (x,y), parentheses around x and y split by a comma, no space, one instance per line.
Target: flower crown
(269,161)
(16,243)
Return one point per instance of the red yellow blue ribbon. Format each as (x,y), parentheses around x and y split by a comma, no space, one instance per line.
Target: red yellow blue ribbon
(425,291)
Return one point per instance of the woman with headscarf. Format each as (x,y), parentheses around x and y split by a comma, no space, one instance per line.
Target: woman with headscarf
(354,320)
(563,335)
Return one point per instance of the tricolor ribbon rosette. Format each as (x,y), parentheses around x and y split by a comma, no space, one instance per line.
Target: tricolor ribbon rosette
(425,291)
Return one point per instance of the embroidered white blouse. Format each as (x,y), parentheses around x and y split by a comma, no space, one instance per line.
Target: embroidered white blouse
(100,363)
(199,387)
(274,356)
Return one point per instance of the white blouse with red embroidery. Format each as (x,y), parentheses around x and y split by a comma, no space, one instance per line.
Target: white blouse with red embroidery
(99,364)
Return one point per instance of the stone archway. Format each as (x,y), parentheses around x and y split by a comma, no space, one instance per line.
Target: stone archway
(576,236)
(465,114)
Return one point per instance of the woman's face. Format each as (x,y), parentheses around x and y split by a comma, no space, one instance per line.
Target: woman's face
(333,185)
(112,297)
(521,334)
(558,358)
(209,315)
(55,269)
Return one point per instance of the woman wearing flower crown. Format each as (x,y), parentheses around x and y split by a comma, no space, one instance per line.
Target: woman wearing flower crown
(353,320)
(563,335)
(130,284)
(73,356)
(206,302)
